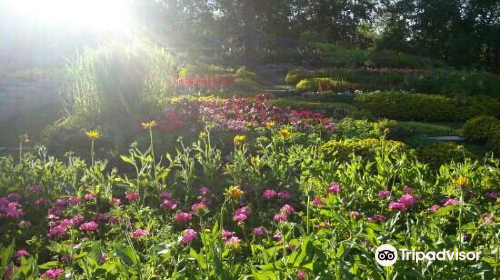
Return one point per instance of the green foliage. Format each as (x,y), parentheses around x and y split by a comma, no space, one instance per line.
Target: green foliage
(480,128)
(494,140)
(313,84)
(440,153)
(362,129)
(336,110)
(432,129)
(366,148)
(389,59)
(294,76)
(246,80)
(424,107)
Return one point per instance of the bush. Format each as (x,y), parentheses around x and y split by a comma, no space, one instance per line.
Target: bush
(392,59)
(480,128)
(335,110)
(296,75)
(440,153)
(246,80)
(365,148)
(320,84)
(363,129)
(424,107)
(494,141)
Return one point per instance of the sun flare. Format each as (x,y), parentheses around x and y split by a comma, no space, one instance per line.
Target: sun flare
(94,14)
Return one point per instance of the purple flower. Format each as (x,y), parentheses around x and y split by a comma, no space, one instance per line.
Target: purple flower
(240,218)
(384,194)
(259,231)
(233,241)
(284,195)
(188,236)
(78,218)
(318,201)
(21,253)
(244,210)
(169,204)
(14,197)
(132,196)
(204,191)
(354,214)
(57,231)
(74,200)
(52,273)
(450,201)
(182,217)
(377,218)
(60,202)
(397,206)
(491,195)
(280,217)
(407,190)
(408,200)
(166,195)
(434,208)
(89,226)
(90,196)
(301,275)
(139,233)
(226,234)
(334,188)
(269,194)
(287,209)
(35,189)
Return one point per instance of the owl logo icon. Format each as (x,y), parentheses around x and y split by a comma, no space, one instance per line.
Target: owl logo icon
(386,255)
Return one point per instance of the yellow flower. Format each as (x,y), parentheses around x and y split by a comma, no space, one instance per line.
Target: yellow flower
(462,181)
(285,133)
(271,123)
(239,138)
(203,134)
(149,125)
(93,134)
(25,138)
(234,192)
(255,159)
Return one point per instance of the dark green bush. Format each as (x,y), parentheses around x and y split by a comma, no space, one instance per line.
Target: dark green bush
(390,59)
(425,107)
(480,128)
(494,141)
(439,153)
(296,75)
(365,148)
(335,110)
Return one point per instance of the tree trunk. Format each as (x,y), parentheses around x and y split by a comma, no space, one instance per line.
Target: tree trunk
(249,36)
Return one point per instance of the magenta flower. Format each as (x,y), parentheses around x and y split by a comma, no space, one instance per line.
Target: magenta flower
(183,217)
(199,207)
(354,214)
(234,240)
(188,236)
(41,201)
(269,194)
(21,253)
(377,218)
(52,273)
(78,218)
(57,231)
(491,195)
(240,218)
(60,202)
(103,258)
(450,201)
(24,223)
(35,189)
(284,195)
(434,208)
(318,201)
(132,196)
(301,275)
(287,209)
(226,234)
(139,233)
(259,231)
(244,210)
(384,194)
(408,200)
(204,191)
(166,195)
(334,188)
(88,226)
(14,197)
(407,190)
(280,217)
(169,204)
(397,206)
(116,201)
(207,201)
(74,200)
(90,196)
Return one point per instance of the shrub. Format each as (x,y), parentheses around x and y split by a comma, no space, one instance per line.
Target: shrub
(362,129)
(480,128)
(365,148)
(440,153)
(393,59)
(494,140)
(335,110)
(425,107)
(320,84)
(246,80)
(296,75)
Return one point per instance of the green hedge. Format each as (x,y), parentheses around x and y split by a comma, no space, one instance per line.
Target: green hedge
(440,153)
(479,128)
(313,84)
(365,148)
(336,110)
(425,107)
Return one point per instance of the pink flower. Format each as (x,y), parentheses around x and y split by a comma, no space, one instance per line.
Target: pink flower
(52,273)
(280,217)
(234,240)
(434,208)
(24,223)
(89,226)
(188,236)
(35,189)
(301,275)
(103,258)
(139,233)
(287,209)
(183,217)
(377,218)
(284,195)
(116,201)
(41,201)
(204,191)
(132,196)
(334,188)
(384,194)
(397,206)
(408,200)
(199,207)
(78,218)
(21,253)
(244,210)
(450,201)
(90,196)
(354,214)
(259,231)
(318,201)
(269,194)
(169,204)
(226,234)
(74,200)
(57,231)
(166,195)
(207,201)
(60,202)
(240,218)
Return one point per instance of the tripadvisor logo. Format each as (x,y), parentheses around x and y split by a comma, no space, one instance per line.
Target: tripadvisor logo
(387,255)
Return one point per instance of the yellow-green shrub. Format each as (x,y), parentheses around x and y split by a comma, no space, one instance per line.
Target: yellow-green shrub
(479,128)
(494,140)
(439,153)
(365,148)
(312,84)
(295,76)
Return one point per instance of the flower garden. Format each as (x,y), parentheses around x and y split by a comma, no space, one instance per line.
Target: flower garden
(195,173)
